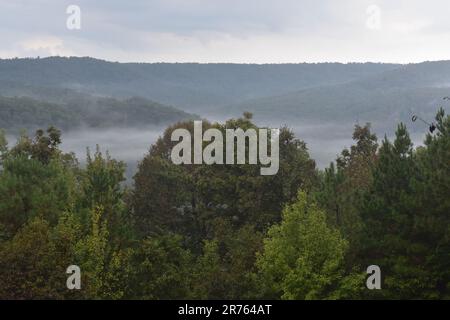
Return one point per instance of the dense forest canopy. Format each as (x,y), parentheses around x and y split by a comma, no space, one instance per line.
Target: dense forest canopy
(185,85)
(383,94)
(225,232)
(86,112)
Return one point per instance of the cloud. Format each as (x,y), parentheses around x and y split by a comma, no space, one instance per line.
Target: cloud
(49,45)
(229,30)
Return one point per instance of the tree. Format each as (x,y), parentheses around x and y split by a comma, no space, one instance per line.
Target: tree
(46,196)
(3,145)
(185,199)
(102,187)
(303,257)
(28,264)
(161,198)
(406,223)
(162,269)
(343,187)
(224,268)
(29,188)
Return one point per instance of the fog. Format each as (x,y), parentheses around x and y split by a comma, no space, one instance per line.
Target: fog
(128,145)
(324,141)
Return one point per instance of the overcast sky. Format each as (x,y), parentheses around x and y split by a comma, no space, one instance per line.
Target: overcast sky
(250,31)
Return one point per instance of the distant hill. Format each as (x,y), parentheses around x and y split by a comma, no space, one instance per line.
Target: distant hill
(383,99)
(193,87)
(98,93)
(17,113)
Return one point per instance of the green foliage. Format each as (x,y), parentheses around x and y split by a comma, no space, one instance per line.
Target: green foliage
(224,268)
(186,199)
(344,185)
(3,144)
(25,262)
(81,111)
(44,195)
(220,232)
(303,257)
(402,205)
(30,189)
(162,269)
(203,87)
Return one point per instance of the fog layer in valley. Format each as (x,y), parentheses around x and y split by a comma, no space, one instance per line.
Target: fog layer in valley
(131,145)
(320,102)
(324,142)
(128,145)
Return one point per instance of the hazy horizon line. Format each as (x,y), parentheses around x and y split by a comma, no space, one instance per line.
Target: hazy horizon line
(218,62)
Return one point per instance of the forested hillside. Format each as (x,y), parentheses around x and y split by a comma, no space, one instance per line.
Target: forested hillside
(190,86)
(357,101)
(82,111)
(383,94)
(383,99)
(226,232)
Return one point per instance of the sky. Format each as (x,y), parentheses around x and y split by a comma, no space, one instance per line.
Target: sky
(238,31)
